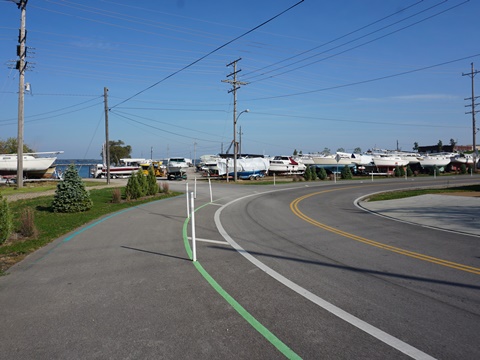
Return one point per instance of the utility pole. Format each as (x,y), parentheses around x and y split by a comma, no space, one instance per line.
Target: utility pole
(240,136)
(21,66)
(473,112)
(235,86)
(107,141)
(194,154)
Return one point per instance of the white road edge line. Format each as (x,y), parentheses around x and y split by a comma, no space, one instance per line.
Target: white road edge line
(353,320)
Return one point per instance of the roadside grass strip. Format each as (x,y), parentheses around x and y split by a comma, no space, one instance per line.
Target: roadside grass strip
(267,334)
(294,207)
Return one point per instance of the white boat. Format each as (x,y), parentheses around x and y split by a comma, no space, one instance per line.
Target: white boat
(208,165)
(34,164)
(328,160)
(466,159)
(247,168)
(387,160)
(286,165)
(438,160)
(126,168)
(177,165)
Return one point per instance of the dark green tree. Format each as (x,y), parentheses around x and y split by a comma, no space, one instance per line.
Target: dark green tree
(71,195)
(295,153)
(118,151)
(440,146)
(152,182)
(307,175)
(409,171)
(142,182)
(346,173)
(415,146)
(10,146)
(132,190)
(322,173)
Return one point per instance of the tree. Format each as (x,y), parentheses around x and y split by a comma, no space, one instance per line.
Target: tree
(357,150)
(133,190)
(326,151)
(71,195)
(453,143)
(295,153)
(10,146)
(415,146)
(440,145)
(152,182)
(346,173)
(322,173)
(341,150)
(118,151)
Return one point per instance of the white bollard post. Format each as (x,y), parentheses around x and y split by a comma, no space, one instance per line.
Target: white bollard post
(372,175)
(210,187)
(195,187)
(192,219)
(273,179)
(186,193)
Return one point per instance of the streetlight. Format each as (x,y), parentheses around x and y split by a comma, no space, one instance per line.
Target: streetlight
(235,149)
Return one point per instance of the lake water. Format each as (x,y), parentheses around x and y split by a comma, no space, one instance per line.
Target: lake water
(83,166)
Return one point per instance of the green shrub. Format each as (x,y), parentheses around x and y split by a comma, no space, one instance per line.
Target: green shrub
(71,195)
(132,190)
(152,188)
(346,173)
(463,169)
(322,173)
(313,173)
(409,171)
(142,182)
(6,221)
(308,174)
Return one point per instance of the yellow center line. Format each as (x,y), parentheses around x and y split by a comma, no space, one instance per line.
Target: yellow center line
(297,212)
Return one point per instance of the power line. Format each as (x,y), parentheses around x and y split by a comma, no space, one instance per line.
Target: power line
(210,53)
(366,81)
(163,130)
(357,46)
(331,41)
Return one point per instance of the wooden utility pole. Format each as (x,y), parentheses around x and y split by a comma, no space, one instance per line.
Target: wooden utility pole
(21,66)
(473,112)
(107,141)
(235,86)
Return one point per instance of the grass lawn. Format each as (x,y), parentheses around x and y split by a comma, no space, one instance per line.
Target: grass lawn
(52,225)
(392,195)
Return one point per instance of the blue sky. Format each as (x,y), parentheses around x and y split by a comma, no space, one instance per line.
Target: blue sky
(324,74)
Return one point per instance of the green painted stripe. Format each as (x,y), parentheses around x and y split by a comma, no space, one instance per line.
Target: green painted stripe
(267,334)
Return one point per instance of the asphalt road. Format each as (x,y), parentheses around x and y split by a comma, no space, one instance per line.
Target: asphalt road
(295,271)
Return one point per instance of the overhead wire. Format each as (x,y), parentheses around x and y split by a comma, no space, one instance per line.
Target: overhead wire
(368,80)
(117,113)
(210,53)
(246,74)
(351,48)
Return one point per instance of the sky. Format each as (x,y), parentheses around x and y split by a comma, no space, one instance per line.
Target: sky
(314,75)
